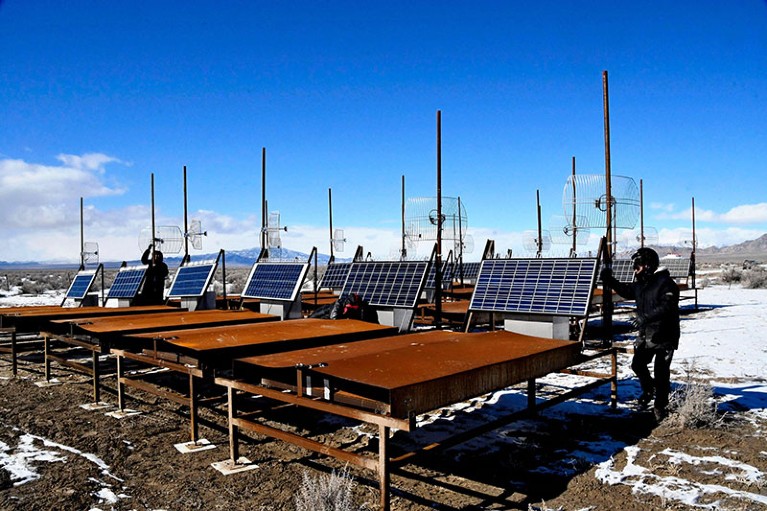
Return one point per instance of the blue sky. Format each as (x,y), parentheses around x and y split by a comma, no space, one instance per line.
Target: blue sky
(96,96)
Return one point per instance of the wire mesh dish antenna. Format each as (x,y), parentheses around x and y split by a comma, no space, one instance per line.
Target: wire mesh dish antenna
(585,196)
(195,234)
(563,230)
(90,253)
(167,238)
(421,222)
(533,244)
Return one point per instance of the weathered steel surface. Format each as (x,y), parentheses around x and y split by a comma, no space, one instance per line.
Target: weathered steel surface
(416,373)
(132,324)
(35,319)
(263,337)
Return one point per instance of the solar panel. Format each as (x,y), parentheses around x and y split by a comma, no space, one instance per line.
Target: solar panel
(678,267)
(623,270)
(392,283)
(335,276)
(81,284)
(192,280)
(127,282)
(275,281)
(558,287)
(470,270)
(447,275)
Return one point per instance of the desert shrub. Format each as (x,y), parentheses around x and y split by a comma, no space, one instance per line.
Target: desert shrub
(33,287)
(731,275)
(692,405)
(331,492)
(754,279)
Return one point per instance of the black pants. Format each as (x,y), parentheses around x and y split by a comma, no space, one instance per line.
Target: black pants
(661,385)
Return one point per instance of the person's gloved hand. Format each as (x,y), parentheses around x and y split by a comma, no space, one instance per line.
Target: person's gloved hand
(605,274)
(638,322)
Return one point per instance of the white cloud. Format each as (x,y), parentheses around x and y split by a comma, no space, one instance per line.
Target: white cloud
(739,215)
(46,196)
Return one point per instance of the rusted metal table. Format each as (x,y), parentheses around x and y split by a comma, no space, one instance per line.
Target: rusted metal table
(98,334)
(387,382)
(203,353)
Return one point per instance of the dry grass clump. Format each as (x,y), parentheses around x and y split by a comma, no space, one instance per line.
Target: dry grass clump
(331,492)
(692,405)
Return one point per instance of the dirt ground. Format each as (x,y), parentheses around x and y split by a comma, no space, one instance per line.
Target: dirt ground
(135,461)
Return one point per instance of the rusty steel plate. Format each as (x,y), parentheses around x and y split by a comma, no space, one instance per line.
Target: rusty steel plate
(264,337)
(34,319)
(132,324)
(425,371)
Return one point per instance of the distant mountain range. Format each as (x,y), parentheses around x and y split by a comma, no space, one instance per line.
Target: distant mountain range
(233,258)
(753,249)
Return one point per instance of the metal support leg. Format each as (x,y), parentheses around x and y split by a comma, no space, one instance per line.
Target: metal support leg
(531,397)
(384,476)
(234,431)
(96,375)
(14,354)
(120,384)
(614,378)
(46,349)
(193,426)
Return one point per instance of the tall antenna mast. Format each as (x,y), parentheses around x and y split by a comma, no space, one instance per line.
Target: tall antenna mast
(82,237)
(186,223)
(607,306)
(539,241)
(575,218)
(403,250)
(154,235)
(330,213)
(264,245)
(641,213)
(438,255)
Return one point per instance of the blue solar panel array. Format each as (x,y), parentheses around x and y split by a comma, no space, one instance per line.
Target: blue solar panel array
(678,267)
(275,281)
(335,276)
(192,280)
(80,285)
(447,275)
(391,284)
(623,270)
(127,282)
(469,270)
(554,287)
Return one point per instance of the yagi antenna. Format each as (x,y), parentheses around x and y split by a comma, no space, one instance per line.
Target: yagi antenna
(195,234)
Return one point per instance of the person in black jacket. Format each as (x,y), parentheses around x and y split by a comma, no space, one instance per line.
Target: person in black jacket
(657,321)
(154,283)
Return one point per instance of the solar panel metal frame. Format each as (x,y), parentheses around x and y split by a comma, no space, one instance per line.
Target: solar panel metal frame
(189,275)
(678,267)
(263,285)
(81,284)
(127,282)
(623,270)
(335,276)
(470,270)
(548,287)
(448,269)
(387,283)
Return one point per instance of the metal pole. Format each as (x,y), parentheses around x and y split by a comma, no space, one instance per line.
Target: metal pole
(574,248)
(607,308)
(330,214)
(641,213)
(153,226)
(263,198)
(82,237)
(438,256)
(460,233)
(539,241)
(186,223)
(403,250)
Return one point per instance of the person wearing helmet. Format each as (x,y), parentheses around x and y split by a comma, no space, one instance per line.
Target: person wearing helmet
(657,322)
(154,283)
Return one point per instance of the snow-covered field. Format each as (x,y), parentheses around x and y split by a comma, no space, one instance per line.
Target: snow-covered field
(725,343)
